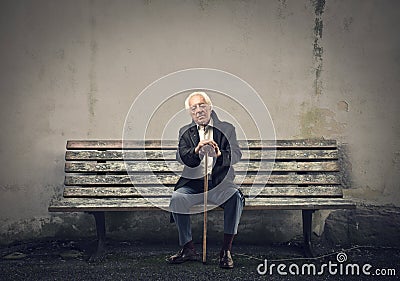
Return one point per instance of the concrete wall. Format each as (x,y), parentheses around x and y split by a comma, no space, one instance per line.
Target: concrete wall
(71,69)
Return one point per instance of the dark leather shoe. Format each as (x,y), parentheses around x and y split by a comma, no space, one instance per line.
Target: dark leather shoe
(186,254)
(225,260)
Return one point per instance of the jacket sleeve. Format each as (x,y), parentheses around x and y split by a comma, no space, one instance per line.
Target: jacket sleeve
(230,153)
(185,153)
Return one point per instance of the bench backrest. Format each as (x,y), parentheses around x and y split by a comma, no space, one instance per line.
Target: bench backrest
(302,168)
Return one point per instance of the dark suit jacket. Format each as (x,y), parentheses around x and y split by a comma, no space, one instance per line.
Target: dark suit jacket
(224,135)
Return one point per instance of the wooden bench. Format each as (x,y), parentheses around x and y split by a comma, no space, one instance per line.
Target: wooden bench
(305,176)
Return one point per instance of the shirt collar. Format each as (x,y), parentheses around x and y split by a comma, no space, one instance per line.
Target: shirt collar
(209,125)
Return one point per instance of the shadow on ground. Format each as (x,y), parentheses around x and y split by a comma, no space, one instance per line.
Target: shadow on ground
(67,260)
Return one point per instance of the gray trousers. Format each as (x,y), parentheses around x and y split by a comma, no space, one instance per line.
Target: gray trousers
(229,198)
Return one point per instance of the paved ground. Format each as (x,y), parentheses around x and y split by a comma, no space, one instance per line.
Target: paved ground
(67,260)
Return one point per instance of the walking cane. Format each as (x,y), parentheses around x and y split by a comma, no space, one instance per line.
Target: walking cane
(205,208)
(207,151)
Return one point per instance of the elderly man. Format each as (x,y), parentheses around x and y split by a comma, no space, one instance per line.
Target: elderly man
(206,131)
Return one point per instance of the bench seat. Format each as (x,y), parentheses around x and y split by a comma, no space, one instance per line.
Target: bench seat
(142,204)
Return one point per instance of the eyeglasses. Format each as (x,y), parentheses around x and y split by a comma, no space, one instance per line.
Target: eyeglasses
(202,106)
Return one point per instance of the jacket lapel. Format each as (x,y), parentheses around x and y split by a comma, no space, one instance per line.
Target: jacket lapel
(194,135)
(217,135)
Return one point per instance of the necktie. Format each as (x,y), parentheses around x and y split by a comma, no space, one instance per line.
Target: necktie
(206,130)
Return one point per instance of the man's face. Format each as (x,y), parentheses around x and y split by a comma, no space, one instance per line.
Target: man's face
(199,110)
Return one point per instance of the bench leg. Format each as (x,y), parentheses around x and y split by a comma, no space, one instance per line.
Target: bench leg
(307,232)
(101,235)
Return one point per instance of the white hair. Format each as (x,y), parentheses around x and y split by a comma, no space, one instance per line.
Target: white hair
(203,94)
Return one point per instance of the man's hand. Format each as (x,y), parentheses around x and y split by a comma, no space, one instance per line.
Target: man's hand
(207,150)
(208,146)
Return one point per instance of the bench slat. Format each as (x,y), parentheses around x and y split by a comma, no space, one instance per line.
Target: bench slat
(151,179)
(298,203)
(135,204)
(172,144)
(174,166)
(283,191)
(170,155)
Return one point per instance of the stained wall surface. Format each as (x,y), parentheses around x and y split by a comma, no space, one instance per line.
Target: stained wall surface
(72,69)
